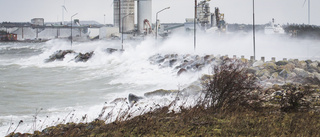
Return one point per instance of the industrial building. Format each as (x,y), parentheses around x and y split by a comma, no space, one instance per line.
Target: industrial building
(124,17)
(5,36)
(124,11)
(207,21)
(123,24)
(38,30)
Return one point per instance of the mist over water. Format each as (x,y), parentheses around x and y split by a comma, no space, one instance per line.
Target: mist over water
(28,84)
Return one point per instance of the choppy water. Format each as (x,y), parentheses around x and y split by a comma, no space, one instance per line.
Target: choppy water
(29,86)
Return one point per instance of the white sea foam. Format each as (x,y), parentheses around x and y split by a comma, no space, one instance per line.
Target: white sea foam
(60,87)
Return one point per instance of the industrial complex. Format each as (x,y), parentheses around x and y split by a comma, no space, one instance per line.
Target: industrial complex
(123,26)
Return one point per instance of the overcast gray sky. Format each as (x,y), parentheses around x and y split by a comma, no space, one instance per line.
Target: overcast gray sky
(236,11)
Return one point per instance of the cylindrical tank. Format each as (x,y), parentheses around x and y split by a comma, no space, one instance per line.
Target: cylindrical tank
(37,22)
(212,20)
(144,13)
(126,7)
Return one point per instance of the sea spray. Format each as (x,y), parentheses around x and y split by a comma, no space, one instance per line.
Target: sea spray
(28,82)
(63,86)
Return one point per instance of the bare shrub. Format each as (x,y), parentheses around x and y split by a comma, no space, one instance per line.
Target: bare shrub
(230,85)
(294,97)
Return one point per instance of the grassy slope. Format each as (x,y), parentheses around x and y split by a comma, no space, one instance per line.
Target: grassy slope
(196,122)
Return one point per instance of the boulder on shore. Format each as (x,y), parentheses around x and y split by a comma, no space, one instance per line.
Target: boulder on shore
(59,55)
(160,92)
(83,57)
(134,98)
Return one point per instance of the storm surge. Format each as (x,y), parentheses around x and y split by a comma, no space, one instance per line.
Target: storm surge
(43,94)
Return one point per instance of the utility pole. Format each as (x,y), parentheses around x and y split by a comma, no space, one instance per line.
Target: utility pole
(254,34)
(71,28)
(194,25)
(157,20)
(309,12)
(22,32)
(120,17)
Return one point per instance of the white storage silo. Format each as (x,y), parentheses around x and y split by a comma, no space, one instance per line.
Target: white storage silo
(37,21)
(126,7)
(144,13)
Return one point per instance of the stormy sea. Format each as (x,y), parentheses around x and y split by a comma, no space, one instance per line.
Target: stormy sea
(36,93)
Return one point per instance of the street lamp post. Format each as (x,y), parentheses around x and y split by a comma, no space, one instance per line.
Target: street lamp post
(254,33)
(71,27)
(157,20)
(122,29)
(309,12)
(194,25)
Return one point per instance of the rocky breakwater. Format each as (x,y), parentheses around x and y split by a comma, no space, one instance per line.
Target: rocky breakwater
(288,85)
(291,71)
(60,55)
(290,81)
(269,73)
(184,63)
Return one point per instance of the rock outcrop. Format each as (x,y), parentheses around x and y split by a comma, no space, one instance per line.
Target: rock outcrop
(60,55)
(83,57)
(271,72)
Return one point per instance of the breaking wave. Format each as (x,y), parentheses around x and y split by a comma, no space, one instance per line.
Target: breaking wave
(66,91)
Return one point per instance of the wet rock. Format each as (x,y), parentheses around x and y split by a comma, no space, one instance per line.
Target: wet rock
(206,77)
(311,80)
(284,73)
(288,67)
(276,87)
(281,63)
(160,92)
(293,61)
(291,75)
(274,75)
(58,55)
(252,70)
(302,64)
(314,65)
(182,70)
(316,75)
(134,98)
(157,59)
(263,72)
(118,100)
(244,60)
(269,91)
(301,72)
(83,57)
(192,89)
(270,66)
(311,70)
(263,78)
(172,61)
(198,66)
(258,63)
(112,50)
(160,60)
(278,93)
(206,57)
(308,62)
